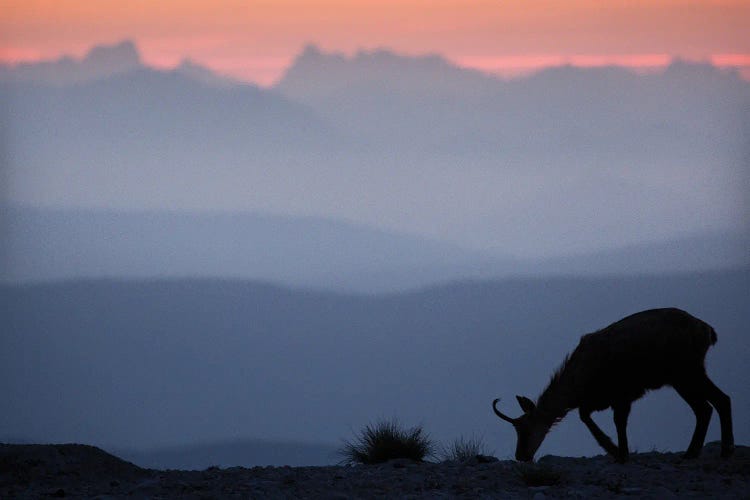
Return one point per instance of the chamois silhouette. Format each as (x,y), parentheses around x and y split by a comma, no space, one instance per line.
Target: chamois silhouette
(615,366)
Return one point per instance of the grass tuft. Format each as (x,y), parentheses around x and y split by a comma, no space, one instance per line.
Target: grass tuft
(386,440)
(463,449)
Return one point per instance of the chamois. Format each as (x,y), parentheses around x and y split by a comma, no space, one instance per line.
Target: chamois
(617,365)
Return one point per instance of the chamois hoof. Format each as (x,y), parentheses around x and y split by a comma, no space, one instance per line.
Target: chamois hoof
(727,451)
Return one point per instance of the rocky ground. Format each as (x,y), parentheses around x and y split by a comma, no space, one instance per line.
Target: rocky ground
(79,471)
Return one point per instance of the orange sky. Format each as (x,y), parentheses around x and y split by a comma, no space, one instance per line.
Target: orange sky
(256,39)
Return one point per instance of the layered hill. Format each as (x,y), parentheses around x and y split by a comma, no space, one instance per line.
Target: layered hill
(150,364)
(304,252)
(567,160)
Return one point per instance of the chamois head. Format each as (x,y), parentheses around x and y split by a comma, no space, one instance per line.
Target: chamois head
(530,428)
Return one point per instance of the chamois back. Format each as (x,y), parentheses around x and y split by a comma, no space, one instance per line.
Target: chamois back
(641,352)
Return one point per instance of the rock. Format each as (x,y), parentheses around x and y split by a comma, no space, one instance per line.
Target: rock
(401,463)
(632,490)
(581,493)
(662,493)
(538,488)
(485,459)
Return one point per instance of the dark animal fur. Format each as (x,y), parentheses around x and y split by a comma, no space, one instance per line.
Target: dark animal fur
(617,365)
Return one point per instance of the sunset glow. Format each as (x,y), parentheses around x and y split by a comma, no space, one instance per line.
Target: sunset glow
(256,40)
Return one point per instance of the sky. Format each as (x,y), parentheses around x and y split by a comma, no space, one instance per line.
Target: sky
(549,179)
(256,40)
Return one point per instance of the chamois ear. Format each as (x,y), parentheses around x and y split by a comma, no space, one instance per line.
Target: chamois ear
(526,404)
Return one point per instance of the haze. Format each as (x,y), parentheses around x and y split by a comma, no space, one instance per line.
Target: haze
(235,238)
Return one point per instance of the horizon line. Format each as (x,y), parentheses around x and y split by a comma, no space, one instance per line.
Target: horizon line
(268,71)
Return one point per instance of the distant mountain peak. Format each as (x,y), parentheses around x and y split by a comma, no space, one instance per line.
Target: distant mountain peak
(311,50)
(188,64)
(197,72)
(316,72)
(312,54)
(385,56)
(681,68)
(123,55)
(101,61)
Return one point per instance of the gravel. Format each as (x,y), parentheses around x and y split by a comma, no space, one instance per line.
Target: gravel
(80,471)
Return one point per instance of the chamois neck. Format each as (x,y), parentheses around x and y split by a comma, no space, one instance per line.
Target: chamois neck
(555,401)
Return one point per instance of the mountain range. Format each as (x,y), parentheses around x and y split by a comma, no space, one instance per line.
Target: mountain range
(52,245)
(607,111)
(186,259)
(567,161)
(101,62)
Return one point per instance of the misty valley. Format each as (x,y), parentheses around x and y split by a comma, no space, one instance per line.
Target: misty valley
(197,271)
(180,373)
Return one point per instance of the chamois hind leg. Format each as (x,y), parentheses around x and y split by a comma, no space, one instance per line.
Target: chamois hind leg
(621,413)
(601,438)
(693,395)
(723,406)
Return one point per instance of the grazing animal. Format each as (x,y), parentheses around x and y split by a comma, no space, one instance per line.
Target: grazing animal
(613,367)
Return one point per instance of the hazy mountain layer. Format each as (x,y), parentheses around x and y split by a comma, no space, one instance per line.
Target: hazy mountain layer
(157,363)
(568,160)
(102,61)
(44,245)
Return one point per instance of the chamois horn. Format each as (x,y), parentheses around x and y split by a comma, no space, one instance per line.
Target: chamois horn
(501,414)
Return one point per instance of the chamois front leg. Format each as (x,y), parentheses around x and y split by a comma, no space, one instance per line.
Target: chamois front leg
(601,438)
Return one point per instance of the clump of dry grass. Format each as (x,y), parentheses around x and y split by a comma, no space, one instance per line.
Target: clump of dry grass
(386,440)
(463,449)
